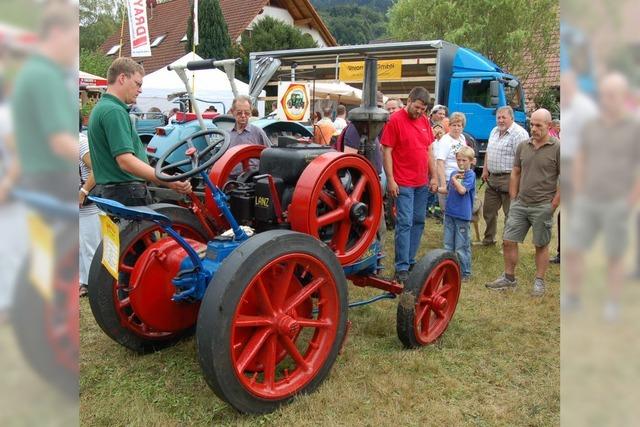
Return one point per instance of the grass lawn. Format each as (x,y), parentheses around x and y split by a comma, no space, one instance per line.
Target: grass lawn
(497,364)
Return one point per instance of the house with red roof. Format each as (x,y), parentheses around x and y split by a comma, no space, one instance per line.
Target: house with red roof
(168,25)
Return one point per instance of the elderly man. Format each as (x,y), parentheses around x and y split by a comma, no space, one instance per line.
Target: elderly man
(392,105)
(120,164)
(407,158)
(498,162)
(607,186)
(535,195)
(243,132)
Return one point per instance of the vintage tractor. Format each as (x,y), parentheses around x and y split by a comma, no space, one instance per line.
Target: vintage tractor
(268,297)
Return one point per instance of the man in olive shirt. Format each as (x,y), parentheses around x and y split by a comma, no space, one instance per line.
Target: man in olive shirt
(120,164)
(535,196)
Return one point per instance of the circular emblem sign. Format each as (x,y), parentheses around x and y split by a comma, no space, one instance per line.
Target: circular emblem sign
(295,102)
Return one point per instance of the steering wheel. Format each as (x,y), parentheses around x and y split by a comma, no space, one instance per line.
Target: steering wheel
(194,157)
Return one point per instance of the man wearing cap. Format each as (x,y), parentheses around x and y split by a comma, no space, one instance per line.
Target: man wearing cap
(498,162)
(407,158)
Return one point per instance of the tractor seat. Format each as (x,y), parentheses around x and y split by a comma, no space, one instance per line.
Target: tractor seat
(132,213)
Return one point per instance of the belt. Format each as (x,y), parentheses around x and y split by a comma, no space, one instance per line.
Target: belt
(499,173)
(119,184)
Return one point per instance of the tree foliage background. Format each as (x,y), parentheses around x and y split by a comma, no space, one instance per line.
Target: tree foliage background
(269,34)
(98,20)
(352,24)
(506,31)
(213,35)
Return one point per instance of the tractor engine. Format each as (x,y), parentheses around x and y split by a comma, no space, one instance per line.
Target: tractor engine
(252,201)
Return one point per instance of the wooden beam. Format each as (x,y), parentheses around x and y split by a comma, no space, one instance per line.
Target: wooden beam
(304,21)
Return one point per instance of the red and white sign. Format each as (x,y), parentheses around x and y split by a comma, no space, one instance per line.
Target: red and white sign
(86,79)
(138,28)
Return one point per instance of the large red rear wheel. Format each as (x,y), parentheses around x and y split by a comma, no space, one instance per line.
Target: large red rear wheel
(272,321)
(137,311)
(429,299)
(338,200)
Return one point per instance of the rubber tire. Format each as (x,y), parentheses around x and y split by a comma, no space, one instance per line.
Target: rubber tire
(222,297)
(28,320)
(101,294)
(413,287)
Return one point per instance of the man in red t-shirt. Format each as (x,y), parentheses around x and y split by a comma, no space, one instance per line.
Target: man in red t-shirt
(406,144)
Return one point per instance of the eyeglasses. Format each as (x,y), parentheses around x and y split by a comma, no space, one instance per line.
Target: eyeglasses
(243,113)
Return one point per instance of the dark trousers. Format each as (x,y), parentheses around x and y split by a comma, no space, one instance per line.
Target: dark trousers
(496,196)
(128,193)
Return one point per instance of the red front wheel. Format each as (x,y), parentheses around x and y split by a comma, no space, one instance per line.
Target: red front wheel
(429,299)
(272,321)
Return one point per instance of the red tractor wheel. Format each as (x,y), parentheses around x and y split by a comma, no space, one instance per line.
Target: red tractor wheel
(272,320)
(338,200)
(236,160)
(429,299)
(137,311)
(47,328)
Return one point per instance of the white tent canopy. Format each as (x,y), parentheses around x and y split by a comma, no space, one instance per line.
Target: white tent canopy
(337,91)
(210,85)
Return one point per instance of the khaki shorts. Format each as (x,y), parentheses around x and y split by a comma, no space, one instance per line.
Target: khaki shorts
(522,217)
(589,217)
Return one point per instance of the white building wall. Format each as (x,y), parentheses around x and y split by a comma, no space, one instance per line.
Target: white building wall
(284,16)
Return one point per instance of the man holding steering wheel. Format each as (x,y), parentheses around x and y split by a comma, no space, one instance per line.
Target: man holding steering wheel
(119,161)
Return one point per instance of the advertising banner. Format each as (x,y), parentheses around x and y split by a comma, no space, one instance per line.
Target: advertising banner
(293,101)
(138,28)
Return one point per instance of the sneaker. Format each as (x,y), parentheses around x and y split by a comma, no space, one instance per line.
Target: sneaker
(611,311)
(538,287)
(83,291)
(570,304)
(401,276)
(555,259)
(466,279)
(502,283)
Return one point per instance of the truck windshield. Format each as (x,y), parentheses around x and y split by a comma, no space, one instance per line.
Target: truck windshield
(476,91)
(514,97)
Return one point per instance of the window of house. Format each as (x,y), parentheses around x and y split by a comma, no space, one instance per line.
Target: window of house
(158,40)
(477,91)
(114,50)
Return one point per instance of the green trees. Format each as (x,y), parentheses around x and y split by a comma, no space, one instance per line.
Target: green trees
(212,29)
(269,34)
(351,24)
(506,31)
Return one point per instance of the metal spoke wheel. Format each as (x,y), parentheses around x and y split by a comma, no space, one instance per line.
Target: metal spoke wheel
(272,320)
(429,299)
(338,200)
(46,326)
(137,311)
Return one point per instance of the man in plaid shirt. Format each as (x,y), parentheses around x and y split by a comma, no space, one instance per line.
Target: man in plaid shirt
(498,161)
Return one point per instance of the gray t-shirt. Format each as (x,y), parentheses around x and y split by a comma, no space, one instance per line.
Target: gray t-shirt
(610,154)
(539,171)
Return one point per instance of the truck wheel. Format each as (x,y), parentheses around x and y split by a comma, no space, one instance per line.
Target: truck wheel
(272,321)
(429,299)
(110,300)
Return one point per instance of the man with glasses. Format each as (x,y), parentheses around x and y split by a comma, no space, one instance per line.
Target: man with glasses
(243,132)
(120,164)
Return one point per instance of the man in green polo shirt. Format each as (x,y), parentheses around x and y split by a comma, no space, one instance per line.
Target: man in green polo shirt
(45,110)
(535,196)
(120,164)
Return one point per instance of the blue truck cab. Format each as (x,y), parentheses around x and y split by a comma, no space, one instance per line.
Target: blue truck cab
(458,77)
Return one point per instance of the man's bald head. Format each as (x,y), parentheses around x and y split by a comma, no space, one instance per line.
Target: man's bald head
(540,123)
(614,92)
(542,114)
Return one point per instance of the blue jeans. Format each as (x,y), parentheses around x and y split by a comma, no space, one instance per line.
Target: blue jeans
(411,205)
(457,239)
